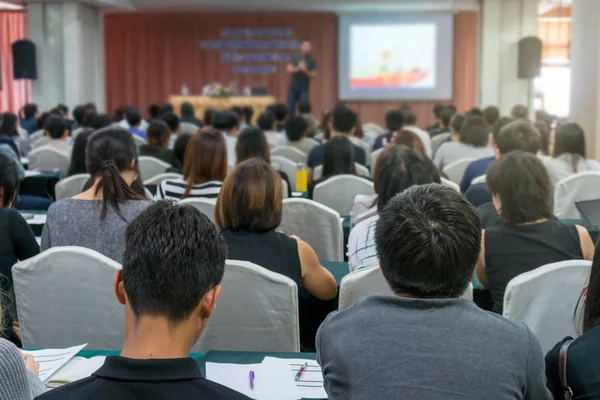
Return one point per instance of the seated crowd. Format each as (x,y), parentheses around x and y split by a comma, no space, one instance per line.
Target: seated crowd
(431,239)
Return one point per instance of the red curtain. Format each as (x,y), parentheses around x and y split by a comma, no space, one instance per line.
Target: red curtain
(14,93)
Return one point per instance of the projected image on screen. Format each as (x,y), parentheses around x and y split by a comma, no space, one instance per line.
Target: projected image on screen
(387,57)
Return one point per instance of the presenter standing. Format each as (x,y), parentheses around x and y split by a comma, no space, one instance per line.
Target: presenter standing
(303,68)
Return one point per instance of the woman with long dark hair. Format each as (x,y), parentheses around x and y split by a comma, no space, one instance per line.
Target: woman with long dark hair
(97,218)
(9,125)
(77,165)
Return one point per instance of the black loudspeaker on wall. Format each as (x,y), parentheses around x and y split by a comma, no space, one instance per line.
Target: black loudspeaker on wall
(24,63)
(530,57)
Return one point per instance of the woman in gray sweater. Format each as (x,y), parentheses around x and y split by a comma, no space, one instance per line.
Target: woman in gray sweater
(97,218)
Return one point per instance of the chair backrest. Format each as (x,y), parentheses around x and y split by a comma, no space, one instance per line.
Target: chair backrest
(545,299)
(361,170)
(65,296)
(291,153)
(285,189)
(70,186)
(479,179)
(151,167)
(156,180)
(286,165)
(375,157)
(205,206)
(188,128)
(456,170)
(367,148)
(370,281)
(450,184)
(338,192)
(579,187)
(437,141)
(370,126)
(148,194)
(310,142)
(38,134)
(371,212)
(256,311)
(47,158)
(317,225)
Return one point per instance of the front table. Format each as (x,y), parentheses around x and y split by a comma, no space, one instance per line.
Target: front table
(201,103)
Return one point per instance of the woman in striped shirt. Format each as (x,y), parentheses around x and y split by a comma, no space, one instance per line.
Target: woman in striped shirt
(204,169)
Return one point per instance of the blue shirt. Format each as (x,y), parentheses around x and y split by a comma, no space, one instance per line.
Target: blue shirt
(475,170)
(9,141)
(137,132)
(383,140)
(478,194)
(29,124)
(317,155)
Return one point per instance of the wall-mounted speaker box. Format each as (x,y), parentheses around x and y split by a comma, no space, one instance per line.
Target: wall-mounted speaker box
(530,57)
(24,62)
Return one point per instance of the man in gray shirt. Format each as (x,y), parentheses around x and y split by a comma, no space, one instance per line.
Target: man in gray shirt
(426,342)
(303,68)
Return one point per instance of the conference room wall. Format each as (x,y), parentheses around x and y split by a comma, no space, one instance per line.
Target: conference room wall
(149,56)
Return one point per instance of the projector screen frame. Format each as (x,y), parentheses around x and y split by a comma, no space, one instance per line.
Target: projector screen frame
(444,90)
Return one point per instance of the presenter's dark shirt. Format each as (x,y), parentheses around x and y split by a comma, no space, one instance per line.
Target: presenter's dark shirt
(125,378)
(301,81)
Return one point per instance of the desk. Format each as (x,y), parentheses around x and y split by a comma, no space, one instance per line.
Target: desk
(201,103)
(36,224)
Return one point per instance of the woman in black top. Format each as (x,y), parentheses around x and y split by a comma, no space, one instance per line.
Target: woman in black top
(583,356)
(248,211)
(528,236)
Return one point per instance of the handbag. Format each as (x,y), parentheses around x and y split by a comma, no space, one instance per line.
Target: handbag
(562,369)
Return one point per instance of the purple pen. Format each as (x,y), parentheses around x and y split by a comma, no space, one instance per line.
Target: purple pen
(252,380)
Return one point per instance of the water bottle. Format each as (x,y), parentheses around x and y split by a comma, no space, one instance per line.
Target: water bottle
(301,178)
(185,91)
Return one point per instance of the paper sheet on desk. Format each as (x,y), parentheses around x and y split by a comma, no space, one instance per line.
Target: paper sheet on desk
(310,384)
(38,219)
(52,359)
(271,382)
(32,173)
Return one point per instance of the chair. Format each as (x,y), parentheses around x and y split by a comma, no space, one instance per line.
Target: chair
(450,184)
(40,142)
(310,142)
(151,167)
(366,147)
(285,189)
(545,298)
(365,215)
(375,157)
(288,166)
(48,158)
(478,180)
(374,128)
(438,140)
(456,170)
(361,170)
(188,128)
(38,134)
(338,192)
(70,186)
(158,179)
(65,296)
(205,206)
(370,281)
(76,132)
(148,194)
(291,153)
(579,187)
(256,311)
(317,225)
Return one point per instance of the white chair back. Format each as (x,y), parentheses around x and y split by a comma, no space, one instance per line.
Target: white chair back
(365,215)
(579,187)
(285,189)
(256,311)
(38,135)
(366,147)
(158,179)
(374,128)
(338,192)
(70,186)
(205,206)
(361,170)
(47,158)
(310,142)
(40,142)
(456,170)
(545,299)
(317,225)
(478,180)
(151,167)
(65,296)
(450,184)
(288,166)
(291,153)
(148,194)
(437,141)
(188,128)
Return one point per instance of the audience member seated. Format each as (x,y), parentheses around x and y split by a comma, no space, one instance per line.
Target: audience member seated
(207,117)
(410,140)
(267,123)
(247,116)
(473,143)
(8,131)
(153,112)
(339,160)
(305,111)
(544,130)
(398,169)
(77,165)
(296,129)
(582,360)
(30,114)
(342,123)
(394,120)
(456,123)
(252,143)
(479,167)
(101,121)
(491,114)
(281,112)
(228,124)
(249,210)
(188,114)
(134,120)
(97,218)
(179,149)
(428,240)
(528,236)
(569,153)
(434,129)
(174,124)
(443,122)
(157,146)
(56,129)
(204,170)
(173,266)
(520,112)
(410,124)
(517,135)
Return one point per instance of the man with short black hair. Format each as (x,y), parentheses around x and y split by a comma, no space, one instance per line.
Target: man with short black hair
(295,130)
(267,123)
(281,112)
(134,120)
(491,114)
(422,341)
(520,111)
(410,124)
(174,124)
(229,124)
(303,69)
(394,121)
(173,265)
(56,129)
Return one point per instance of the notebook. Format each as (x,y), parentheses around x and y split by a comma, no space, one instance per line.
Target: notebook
(76,369)
(590,212)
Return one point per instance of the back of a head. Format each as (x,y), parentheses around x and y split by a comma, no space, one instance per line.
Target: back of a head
(394,120)
(498,126)
(398,169)
(281,112)
(475,112)
(225,121)
(9,181)
(252,143)
(475,131)
(173,256)
(304,107)
(410,118)
(133,116)
(207,117)
(154,111)
(446,114)
(56,127)
(157,135)
(524,188)
(180,145)
(88,117)
(428,241)
(339,157)
(9,124)
(172,121)
(166,109)
(205,159)
(266,121)
(238,111)
(251,198)
(247,114)
(64,110)
(411,140)
(491,114)
(520,112)
(457,122)
(296,128)
(437,110)
(78,113)
(544,130)
(30,110)
(77,165)
(110,152)
(569,138)
(518,135)
(119,114)
(101,121)
(343,120)
(187,110)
